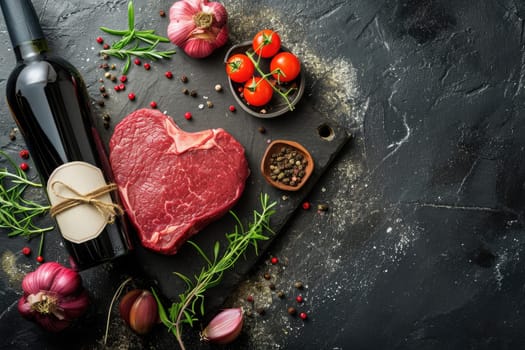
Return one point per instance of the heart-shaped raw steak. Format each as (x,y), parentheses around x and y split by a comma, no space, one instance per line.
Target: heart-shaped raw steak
(173,183)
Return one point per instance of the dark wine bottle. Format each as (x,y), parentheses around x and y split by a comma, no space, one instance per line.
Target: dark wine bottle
(50,104)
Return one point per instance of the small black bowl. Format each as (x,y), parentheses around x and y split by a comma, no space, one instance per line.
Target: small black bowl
(277,105)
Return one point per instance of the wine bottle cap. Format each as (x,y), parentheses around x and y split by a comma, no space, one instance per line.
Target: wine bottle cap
(21,21)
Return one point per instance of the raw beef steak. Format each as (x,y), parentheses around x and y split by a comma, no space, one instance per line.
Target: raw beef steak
(173,183)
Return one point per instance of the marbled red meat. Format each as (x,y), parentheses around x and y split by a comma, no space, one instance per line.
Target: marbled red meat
(173,183)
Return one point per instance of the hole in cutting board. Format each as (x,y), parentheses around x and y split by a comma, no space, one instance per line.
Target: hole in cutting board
(326,132)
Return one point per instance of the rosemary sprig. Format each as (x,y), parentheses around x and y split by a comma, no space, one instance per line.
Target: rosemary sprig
(131,36)
(16,212)
(185,310)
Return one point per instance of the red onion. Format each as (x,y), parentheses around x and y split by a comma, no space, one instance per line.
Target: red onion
(53,296)
(198,26)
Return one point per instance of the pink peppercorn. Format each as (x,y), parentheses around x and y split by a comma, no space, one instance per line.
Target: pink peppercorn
(131,96)
(147,66)
(306,205)
(122,86)
(274,260)
(137,62)
(24,154)
(187,115)
(123,78)
(232,108)
(303,315)
(168,74)
(100,40)
(153,104)
(26,251)
(24,166)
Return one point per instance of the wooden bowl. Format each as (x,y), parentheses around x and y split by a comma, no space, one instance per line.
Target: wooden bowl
(303,162)
(277,105)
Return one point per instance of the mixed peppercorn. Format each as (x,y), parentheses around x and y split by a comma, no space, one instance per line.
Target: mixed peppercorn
(288,166)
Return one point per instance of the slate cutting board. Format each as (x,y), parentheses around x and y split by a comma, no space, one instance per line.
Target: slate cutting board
(304,125)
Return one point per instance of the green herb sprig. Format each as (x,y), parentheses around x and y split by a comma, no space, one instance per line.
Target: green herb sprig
(16,212)
(129,44)
(192,300)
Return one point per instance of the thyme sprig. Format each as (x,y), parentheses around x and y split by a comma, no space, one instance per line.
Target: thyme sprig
(185,310)
(129,44)
(16,212)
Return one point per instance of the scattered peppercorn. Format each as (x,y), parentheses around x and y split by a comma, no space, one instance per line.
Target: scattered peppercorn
(209,104)
(122,86)
(298,285)
(117,87)
(137,61)
(131,96)
(168,74)
(105,95)
(24,166)
(12,135)
(322,207)
(299,299)
(249,298)
(123,78)
(40,259)
(218,87)
(147,66)
(26,251)
(267,276)
(232,108)
(104,66)
(24,154)
(100,40)
(113,77)
(306,205)
(193,93)
(187,115)
(113,66)
(105,47)
(271,286)
(292,311)
(162,13)
(101,103)
(261,129)
(184,78)
(303,315)
(107,75)
(102,88)
(106,116)
(261,311)
(185,91)
(280,294)
(274,260)
(153,104)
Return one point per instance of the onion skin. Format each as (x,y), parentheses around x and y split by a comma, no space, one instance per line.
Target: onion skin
(53,296)
(198,26)
(225,327)
(138,308)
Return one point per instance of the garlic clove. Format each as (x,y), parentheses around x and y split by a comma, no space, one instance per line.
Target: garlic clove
(225,327)
(138,308)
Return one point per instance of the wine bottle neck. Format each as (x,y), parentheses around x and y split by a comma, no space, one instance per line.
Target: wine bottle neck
(24,28)
(31,50)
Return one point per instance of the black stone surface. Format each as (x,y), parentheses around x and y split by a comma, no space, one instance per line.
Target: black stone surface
(422,244)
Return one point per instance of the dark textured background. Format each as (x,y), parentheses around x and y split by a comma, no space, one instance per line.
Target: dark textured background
(422,245)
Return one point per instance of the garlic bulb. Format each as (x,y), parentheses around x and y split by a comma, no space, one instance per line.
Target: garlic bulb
(198,26)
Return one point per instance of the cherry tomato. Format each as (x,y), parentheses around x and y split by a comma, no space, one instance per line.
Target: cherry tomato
(257,91)
(266,43)
(286,67)
(239,68)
